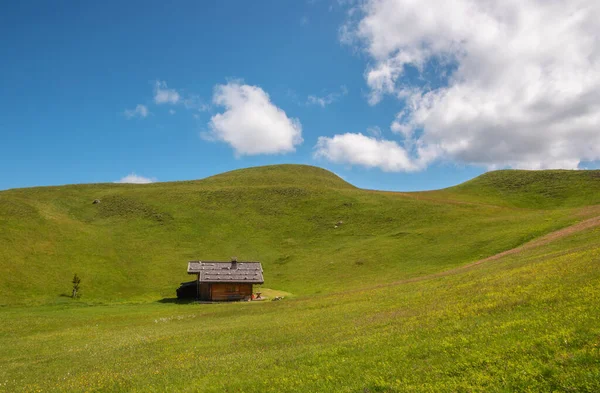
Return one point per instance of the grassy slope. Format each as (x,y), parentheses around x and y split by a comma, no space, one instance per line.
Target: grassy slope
(549,189)
(528,322)
(134,245)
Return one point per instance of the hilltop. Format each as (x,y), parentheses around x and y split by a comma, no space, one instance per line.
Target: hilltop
(278,175)
(548,189)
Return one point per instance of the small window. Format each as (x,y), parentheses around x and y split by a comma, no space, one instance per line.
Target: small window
(232,288)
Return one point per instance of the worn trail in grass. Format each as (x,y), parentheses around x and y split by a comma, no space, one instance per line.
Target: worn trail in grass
(535,243)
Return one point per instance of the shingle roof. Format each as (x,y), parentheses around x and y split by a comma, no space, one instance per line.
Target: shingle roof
(213,271)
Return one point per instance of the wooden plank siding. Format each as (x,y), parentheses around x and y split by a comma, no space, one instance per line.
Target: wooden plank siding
(205,291)
(229,291)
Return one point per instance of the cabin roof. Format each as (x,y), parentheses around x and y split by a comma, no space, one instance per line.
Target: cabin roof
(235,272)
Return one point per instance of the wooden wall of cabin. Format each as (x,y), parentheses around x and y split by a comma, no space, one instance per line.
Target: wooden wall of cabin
(205,291)
(230,291)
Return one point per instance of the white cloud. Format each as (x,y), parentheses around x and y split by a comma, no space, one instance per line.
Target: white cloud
(135,179)
(195,102)
(139,111)
(320,101)
(358,149)
(375,132)
(327,99)
(251,123)
(164,95)
(523,83)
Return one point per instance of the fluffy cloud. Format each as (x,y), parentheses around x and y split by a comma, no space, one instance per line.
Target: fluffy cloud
(135,179)
(251,124)
(325,100)
(164,95)
(358,149)
(522,87)
(139,111)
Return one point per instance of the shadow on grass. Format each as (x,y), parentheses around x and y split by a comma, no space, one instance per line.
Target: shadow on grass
(70,296)
(174,300)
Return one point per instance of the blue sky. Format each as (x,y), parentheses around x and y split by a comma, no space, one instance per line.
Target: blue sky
(231,84)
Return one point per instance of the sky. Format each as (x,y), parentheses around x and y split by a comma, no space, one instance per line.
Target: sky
(388,94)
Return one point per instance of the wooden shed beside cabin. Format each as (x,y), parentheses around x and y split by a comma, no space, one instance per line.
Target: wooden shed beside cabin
(221,281)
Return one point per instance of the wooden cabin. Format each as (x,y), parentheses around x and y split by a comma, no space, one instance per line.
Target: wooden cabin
(222,281)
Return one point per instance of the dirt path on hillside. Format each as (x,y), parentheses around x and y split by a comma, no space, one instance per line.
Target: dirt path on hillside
(548,238)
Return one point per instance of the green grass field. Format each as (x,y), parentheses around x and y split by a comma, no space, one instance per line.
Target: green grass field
(369,309)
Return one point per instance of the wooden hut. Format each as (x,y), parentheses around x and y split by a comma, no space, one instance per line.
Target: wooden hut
(218,281)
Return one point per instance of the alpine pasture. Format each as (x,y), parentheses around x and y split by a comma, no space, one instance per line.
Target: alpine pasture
(384,291)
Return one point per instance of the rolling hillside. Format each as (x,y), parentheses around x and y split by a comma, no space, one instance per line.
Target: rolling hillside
(134,245)
(550,189)
(492,285)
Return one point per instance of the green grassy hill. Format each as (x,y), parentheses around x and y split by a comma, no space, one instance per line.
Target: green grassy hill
(389,300)
(135,244)
(550,189)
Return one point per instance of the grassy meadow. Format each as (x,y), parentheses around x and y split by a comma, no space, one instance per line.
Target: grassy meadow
(367,310)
